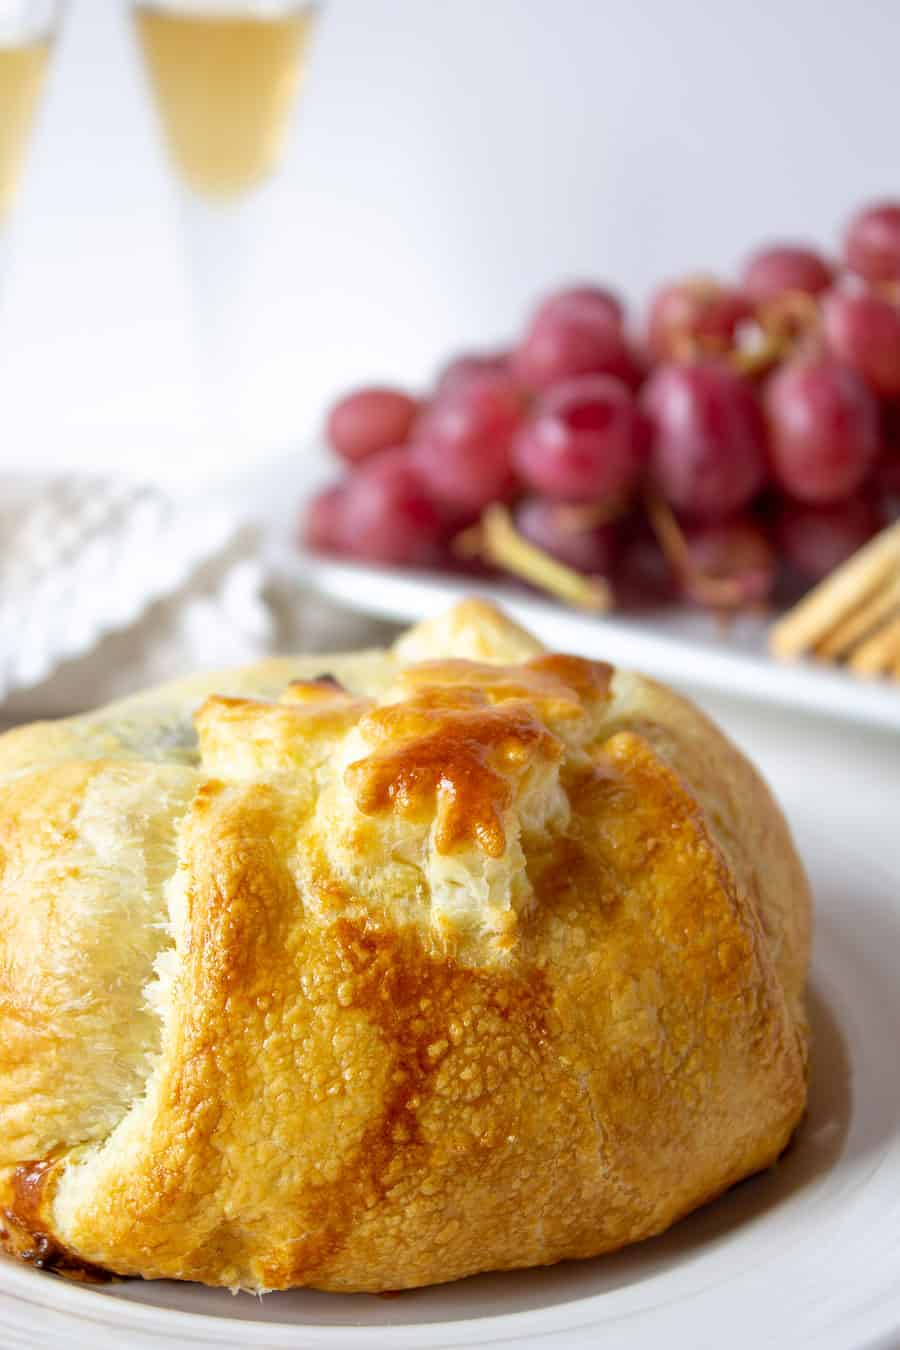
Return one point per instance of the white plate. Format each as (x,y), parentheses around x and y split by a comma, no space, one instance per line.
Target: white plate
(806,1255)
(686,647)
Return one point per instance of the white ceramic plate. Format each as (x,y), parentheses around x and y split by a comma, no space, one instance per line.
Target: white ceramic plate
(806,1255)
(683,646)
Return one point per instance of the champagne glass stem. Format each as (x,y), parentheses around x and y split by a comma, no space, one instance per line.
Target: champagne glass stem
(5,245)
(224,74)
(218,241)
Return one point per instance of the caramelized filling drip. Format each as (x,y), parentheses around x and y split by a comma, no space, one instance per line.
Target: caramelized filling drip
(22,1233)
(449,751)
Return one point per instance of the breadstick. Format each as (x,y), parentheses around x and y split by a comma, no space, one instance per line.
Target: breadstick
(860,622)
(879,652)
(817,613)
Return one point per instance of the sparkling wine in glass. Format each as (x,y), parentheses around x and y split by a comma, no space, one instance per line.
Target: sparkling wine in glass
(224,77)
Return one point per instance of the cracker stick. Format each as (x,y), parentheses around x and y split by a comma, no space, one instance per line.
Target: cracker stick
(830,601)
(879,652)
(860,622)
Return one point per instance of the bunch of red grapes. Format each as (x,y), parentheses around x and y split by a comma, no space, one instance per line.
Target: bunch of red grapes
(748,439)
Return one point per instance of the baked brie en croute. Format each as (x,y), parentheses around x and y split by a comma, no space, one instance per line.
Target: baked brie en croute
(375,970)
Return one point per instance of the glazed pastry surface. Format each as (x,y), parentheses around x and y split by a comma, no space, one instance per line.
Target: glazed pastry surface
(376,970)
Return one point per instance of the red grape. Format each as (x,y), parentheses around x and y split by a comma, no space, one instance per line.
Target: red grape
(695,315)
(631,367)
(590,303)
(730,564)
(554,527)
(370,420)
(321,528)
(567,342)
(824,432)
(584,442)
(863,329)
(471,365)
(558,418)
(872,242)
(890,425)
(463,446)
(387,514)
(643,577)
(707,438)
(785,267)
(886,482)
(815,540)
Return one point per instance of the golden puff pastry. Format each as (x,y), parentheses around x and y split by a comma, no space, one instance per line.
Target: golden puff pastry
(376,970)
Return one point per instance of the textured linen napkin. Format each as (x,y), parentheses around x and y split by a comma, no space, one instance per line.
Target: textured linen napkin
(107,586)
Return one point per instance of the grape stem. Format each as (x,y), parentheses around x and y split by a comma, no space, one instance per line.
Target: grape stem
(577,516)
(761,357)
(716,592)
(778,327)
(751,360)
(499,542)
(790,315)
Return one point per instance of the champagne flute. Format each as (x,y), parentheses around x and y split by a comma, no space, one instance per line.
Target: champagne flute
(224,76)
(27,30)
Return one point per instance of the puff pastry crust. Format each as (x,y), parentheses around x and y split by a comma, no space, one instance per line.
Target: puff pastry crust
(371,971)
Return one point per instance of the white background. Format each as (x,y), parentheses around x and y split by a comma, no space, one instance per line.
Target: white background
(450,158)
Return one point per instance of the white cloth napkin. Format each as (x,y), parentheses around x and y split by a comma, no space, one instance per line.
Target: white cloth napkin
(107,586)
(84,557)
